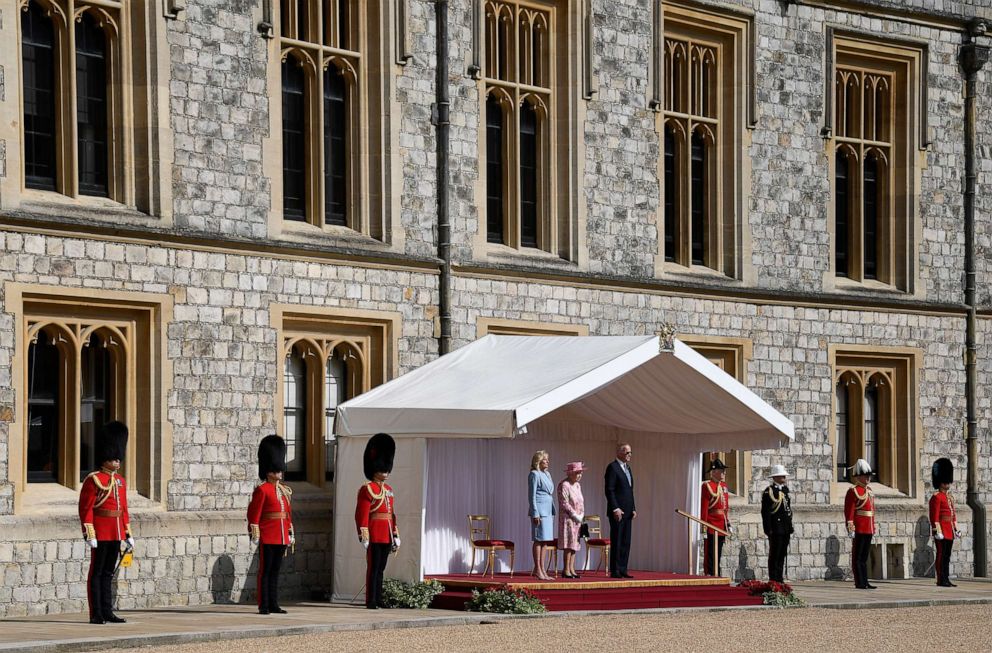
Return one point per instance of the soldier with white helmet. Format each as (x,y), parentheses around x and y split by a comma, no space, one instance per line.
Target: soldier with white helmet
(859,513)
(776,520)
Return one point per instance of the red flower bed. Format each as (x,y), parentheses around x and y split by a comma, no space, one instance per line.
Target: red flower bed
(758,588)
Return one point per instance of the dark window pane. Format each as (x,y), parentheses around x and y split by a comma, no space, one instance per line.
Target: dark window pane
(871,429)
(344,40)
(699,216)
(494,171)
(528,176)
(294,151)
(335,393)
(842,435)
(671,209)
(295,416)
(91,106)
(871,218)
(43,411)
(302,20)
(842,200)
(38,70)
(94,402)
(335,148)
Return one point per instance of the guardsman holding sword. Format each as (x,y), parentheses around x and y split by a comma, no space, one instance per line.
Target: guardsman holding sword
(715,510)
(859,513)
(104,520)
(375,515)
(943,520)
(270,521)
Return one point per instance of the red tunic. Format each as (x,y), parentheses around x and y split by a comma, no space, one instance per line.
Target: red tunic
(103,507)
(374,515)
(270,517)
(715,508)
(943,516)
(859,510)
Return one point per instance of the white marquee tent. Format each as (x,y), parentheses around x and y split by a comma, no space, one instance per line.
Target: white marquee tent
(467,424)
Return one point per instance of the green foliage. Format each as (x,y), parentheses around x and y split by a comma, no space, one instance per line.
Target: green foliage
(505,601)
(397,594)
(782,600)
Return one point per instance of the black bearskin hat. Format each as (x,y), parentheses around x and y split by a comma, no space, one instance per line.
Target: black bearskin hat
(943,472)
(271,455)
(379,454)
(717,464)
(111,442)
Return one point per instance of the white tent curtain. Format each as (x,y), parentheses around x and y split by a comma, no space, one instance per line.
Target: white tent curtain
(467,476)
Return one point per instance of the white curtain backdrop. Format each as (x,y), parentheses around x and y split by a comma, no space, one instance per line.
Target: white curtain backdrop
(479,476)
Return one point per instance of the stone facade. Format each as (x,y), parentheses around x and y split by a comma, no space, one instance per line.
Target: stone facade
(223,269)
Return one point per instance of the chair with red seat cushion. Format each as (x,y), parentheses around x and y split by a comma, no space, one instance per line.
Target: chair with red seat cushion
(596,541)
(479,526)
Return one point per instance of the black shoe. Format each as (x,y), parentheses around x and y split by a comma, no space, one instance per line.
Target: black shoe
(946,583)
(372,607)
(114,619)
(97,620)
(263,611)
(869,586)
(616,576)
(626,575)
(277,610)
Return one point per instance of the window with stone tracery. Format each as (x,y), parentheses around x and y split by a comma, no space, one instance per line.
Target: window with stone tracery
(873,419)
(525,145)
(874,114)
(700,96)
(326,361)
(332,110)
(84,366)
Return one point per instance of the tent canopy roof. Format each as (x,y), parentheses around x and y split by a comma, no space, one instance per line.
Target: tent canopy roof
(498,384)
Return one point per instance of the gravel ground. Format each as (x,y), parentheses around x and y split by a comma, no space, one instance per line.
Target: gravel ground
(904,630)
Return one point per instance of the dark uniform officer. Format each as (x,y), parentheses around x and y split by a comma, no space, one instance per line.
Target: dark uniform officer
(943,519)
(270,521)
(715,510)
(375,516)
(859,513)
(104,520)
(776,520)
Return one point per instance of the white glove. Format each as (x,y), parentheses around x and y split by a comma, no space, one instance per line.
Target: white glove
(254,541)
(92,543)
(577,518)
(957,534)
(292,540)
(365,543)
(130,542)
(396,542)
(938,535)
(850,534)
(730,529)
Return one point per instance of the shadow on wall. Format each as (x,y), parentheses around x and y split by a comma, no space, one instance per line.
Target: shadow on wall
(249,591)
(222,580)
(743,572)
(834,570)
(923,553)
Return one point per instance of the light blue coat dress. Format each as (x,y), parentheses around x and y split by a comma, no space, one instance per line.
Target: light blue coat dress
(541,494)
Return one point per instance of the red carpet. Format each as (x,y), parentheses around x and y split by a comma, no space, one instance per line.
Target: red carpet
(597,591)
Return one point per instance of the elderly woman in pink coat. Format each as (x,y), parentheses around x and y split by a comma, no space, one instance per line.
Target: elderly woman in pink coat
(571,512)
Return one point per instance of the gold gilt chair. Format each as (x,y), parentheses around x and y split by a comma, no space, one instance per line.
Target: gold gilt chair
(480,537)
(596,541)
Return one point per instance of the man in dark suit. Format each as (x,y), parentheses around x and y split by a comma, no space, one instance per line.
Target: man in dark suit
(619,483)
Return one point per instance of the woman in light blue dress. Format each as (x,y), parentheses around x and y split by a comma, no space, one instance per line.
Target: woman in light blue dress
(541,495)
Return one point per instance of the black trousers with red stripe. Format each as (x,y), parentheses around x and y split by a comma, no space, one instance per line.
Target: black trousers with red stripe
(942,565)
(103,561)
(376,558)
(269,563)
(711,564)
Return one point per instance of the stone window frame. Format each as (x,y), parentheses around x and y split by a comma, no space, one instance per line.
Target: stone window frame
(900,427)
(138,319)
(505,327)
(140,146)
(373,130)
(732,355)
(903,63)
(370,342)
(560,234)
(730,36)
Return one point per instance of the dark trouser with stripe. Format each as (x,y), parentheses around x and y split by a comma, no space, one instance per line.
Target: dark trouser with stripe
(711,565)
(778,548)
(375,558)
(269,563)
(859,558)
(942,565)
(619,544)
(103,561)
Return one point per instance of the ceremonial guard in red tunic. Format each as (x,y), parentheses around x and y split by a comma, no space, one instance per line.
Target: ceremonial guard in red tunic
(715,510)
(943,519)
(104,519)
(859,513)
(375,515)
(270,521)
